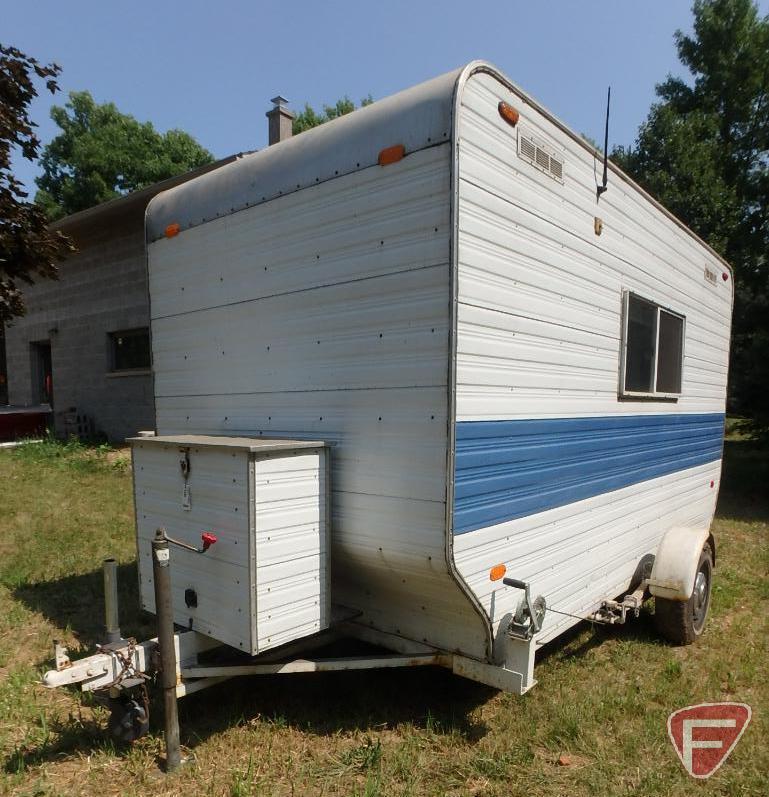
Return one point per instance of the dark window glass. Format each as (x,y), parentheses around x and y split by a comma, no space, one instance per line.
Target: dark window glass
(670,353)
(130,349)
(641,344)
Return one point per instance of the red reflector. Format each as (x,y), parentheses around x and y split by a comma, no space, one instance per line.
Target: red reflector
(712,483)
(724,276)
(391,154)
(508,113)
(172,230)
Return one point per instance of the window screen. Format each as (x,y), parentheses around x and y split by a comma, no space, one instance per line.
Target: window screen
(130,349)
(653,349)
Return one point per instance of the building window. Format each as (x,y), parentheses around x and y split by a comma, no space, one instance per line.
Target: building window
(652,349)
(130,350)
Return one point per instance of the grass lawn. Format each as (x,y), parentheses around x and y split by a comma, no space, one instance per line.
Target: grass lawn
(595,724)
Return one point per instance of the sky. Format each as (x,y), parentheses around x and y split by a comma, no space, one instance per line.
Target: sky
(211,68)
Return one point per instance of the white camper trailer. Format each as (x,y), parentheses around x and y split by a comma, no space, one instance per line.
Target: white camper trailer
(516,385)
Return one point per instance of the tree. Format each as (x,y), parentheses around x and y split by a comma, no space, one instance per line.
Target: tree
(704,152)
(27,247)
(309,118)
(102,153)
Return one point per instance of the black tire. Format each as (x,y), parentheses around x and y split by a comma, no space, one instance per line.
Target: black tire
(683,622)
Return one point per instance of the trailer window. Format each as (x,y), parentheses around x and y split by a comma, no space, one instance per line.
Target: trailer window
(653,344)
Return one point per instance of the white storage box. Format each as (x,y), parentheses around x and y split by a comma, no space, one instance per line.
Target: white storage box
(265,580)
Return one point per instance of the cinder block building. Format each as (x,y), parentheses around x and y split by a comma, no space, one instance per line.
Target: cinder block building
(83,345)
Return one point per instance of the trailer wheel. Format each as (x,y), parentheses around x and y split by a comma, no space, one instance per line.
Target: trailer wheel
(683,622)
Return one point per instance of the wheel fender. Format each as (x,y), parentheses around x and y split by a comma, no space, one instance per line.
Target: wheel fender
(675,565)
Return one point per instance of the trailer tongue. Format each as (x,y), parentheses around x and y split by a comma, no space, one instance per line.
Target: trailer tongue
(118,673)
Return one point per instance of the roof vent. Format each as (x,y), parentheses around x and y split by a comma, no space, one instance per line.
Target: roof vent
(539,155)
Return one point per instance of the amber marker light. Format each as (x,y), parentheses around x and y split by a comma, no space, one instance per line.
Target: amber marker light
(508,113)
(497,572)
(391,155)
(172,230)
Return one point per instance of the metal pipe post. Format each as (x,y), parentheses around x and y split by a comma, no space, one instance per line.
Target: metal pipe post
(111,614)
(161,574)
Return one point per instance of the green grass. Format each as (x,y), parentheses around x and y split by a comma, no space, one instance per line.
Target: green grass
(595,724)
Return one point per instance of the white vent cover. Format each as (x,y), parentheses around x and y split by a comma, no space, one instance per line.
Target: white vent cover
(539,155)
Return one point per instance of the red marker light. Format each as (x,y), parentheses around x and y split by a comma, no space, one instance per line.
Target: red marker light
(712,483)
(724,276)
(208,539)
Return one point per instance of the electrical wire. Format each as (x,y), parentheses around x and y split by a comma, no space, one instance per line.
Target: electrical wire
(567,614)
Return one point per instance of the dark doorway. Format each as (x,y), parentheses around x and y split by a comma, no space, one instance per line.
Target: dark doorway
(42,373)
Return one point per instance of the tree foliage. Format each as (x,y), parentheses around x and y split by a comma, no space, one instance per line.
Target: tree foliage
(27,247)
(704,152)
(102,153)
(309,118)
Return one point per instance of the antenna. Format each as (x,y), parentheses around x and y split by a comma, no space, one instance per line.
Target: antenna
(601,188)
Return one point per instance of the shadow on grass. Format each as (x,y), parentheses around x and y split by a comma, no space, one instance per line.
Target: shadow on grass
(744,494)
(77,604)
(324,704)
(429,699)
(63,739)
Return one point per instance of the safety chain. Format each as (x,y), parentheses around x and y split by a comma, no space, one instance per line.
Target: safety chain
(145,697)
(127,664)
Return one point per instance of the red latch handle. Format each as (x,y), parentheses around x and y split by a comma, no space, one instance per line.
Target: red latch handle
(208,540)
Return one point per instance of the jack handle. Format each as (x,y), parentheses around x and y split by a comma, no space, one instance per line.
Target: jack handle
(208,538)
(535,612)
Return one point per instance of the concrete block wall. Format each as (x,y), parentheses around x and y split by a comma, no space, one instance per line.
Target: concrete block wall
(102,289)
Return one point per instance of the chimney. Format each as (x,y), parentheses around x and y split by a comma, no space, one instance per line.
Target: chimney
(280,120)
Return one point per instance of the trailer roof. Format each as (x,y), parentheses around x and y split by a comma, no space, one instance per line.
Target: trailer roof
(418,117)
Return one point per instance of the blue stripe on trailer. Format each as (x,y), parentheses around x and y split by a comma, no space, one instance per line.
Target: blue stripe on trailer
(510,469)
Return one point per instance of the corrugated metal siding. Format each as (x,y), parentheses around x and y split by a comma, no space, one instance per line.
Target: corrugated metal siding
(290,548)
(366,334)
(345,230)
(366,450)
(540,295)
(581,553)
(325,314)
(538,337)
(509,469)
